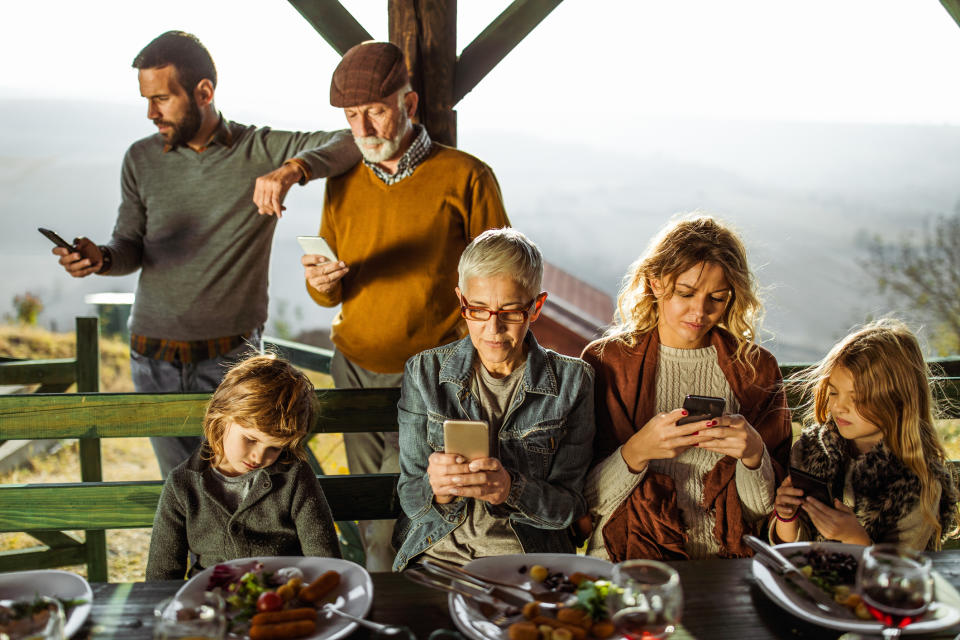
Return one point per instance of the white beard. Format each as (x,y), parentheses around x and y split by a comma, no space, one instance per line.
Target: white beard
(388,146)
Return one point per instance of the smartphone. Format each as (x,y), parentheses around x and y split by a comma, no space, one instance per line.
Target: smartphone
(702,408)
(811,485)
(468,438)
(316,245)
(56,239)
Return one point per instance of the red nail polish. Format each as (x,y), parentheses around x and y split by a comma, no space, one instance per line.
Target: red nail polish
(684,412)
(696,433)
(711,423)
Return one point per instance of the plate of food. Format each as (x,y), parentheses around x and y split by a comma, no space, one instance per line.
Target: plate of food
(584,578)
(74,593)
(284,590)
(832,566)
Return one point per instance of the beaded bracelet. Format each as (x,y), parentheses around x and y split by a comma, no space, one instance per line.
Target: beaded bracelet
(781,519)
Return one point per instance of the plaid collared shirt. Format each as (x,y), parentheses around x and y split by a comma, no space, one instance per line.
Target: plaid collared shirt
(185,351)
(417,153)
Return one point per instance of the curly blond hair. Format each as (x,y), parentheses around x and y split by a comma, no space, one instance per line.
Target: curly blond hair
(266,393)
(686,242)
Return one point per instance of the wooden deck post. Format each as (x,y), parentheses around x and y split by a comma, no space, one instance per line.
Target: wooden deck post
(91,470)
(426,30)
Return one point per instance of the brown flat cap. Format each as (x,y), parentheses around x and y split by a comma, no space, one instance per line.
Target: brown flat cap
(368,72)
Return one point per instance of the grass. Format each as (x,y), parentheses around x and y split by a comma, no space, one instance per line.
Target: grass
(123,458)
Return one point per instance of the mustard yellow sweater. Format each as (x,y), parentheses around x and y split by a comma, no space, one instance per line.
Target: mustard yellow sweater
(402,244)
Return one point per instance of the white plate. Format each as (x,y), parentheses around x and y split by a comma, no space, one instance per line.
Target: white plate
(474,625)
(26,585)
(354,594)
(943,612)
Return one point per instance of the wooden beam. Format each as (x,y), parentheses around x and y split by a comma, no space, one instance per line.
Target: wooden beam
(426,31)
(300,355)
(490,47)
(953,8)
(60,371)
(131,415)
(332,21)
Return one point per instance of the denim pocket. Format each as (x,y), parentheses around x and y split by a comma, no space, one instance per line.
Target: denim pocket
(539,445)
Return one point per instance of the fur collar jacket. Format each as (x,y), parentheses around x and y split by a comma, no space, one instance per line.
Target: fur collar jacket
(885,490)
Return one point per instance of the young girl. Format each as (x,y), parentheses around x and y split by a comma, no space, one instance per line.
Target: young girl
(247,491)
(688,315)
(873,441)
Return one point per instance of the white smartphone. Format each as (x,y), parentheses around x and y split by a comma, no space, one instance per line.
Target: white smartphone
(468,438)
(316,245)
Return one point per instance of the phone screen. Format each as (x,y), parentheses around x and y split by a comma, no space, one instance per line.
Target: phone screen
(701,408)
(56,239)
(811,485)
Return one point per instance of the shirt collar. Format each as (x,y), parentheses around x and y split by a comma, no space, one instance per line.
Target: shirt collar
(221,135)
(411,159)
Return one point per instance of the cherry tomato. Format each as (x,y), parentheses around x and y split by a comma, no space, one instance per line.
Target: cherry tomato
(269,601)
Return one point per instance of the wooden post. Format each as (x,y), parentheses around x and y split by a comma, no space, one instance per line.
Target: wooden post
(91,470)
(426,31)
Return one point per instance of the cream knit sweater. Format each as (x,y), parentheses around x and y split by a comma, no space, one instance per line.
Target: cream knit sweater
(681,372)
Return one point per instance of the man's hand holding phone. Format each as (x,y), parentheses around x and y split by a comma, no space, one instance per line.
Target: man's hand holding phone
(321,268)
(80,259)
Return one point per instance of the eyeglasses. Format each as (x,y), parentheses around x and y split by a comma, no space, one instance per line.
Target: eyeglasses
(507,316)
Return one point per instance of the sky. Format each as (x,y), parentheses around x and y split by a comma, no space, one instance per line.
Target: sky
(590,72)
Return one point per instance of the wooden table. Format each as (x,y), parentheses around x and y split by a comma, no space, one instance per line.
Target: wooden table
(720,601)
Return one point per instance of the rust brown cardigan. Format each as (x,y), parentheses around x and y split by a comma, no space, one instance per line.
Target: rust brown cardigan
(647,524)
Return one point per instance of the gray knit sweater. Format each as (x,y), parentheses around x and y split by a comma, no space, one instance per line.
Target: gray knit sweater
(188,222)
(284,514)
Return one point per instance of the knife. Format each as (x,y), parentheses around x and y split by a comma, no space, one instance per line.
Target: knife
(777,562)
(491,589)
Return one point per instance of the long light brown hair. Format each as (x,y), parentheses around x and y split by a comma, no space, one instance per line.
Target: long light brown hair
(266,393)
(684,243)
(892,391)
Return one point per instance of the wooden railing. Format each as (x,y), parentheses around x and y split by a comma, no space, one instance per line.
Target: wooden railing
(46,511)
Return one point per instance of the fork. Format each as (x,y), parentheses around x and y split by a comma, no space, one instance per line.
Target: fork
(495,610)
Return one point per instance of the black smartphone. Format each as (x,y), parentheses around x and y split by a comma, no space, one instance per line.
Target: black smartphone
(811,485)
(701,408)
(56,239)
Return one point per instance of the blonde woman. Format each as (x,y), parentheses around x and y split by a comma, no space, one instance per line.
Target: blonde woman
(871,438)
(687,321)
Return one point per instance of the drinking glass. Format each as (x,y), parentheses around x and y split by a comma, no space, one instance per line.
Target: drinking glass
(645,600)
(895,585)
(175,620)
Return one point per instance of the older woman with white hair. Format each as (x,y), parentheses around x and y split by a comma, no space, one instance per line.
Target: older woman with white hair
(538,404)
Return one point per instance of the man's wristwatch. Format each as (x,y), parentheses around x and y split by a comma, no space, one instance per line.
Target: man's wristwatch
(106,259)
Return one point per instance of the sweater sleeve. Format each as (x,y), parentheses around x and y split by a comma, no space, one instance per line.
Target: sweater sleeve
(756,488)
(608,484)
(328,231)
(486,204)
(167,559)
(323,153)
(126,245)
(312,518)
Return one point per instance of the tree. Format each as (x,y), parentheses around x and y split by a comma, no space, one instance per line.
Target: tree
(28,307)
(923,269)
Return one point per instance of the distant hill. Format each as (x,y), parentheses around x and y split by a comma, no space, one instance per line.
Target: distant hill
(802,194)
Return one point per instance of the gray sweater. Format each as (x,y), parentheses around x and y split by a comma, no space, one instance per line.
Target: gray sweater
(188,222)
(284,514)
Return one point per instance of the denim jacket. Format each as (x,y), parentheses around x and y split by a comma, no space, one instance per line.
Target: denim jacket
(546,444)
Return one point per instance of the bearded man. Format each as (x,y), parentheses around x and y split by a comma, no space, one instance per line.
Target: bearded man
(398,223)
(187,221)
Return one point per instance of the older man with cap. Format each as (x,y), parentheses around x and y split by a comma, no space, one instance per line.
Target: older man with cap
(398,223)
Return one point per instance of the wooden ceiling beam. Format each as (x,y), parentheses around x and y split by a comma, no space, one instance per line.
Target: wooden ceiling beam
(953,8)
(332,21)
(503,34)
